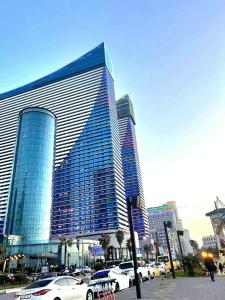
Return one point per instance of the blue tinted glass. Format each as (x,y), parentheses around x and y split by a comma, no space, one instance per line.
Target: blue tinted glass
(30,196)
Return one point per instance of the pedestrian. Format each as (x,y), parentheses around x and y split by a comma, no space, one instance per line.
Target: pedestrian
(210,266)
(221,268)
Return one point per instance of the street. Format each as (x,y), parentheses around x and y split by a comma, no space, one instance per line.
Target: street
(199,288)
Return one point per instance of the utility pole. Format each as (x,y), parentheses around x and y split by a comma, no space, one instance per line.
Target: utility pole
(168,224)
(180,233)
(133,202)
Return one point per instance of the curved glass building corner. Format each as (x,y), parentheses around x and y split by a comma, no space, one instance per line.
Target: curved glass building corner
(30,197)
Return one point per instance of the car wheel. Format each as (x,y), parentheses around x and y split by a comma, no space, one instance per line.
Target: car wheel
(57,299)
(89,295)
(140,278)
(117,288)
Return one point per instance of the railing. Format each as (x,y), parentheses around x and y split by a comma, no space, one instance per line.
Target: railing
(104,288)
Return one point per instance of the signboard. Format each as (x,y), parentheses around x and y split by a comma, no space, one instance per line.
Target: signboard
(218,224)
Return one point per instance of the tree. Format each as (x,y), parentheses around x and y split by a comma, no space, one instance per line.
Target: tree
(194,246)
(129,247)
(110,252)
(66,243)
(104,241)
(147,249)
(3,255)
(120,237)
(191,264)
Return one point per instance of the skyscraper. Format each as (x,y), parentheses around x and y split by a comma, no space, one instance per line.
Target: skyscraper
(165,212)
(88,181)
(30,196)
(130,161)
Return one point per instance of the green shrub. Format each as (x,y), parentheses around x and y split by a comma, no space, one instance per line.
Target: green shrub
(4,279)
(99,267)
(21,278)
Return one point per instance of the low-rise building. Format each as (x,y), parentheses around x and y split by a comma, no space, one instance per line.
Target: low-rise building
(209,241)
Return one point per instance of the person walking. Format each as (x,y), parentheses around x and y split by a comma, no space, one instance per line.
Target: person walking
(221,268)
(210,266)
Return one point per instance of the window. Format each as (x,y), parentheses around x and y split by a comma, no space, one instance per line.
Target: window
(71,281)
(38,284)
(61,282)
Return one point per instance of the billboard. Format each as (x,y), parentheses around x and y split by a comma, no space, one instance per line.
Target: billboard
(218,223)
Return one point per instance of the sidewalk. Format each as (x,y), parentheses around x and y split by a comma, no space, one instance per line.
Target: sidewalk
(199,288)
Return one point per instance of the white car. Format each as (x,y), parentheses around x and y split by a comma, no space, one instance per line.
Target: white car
(56,288)
(128,268)
(151,270)
(86,269)
(122,281)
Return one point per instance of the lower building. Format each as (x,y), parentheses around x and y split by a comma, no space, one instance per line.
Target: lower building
(157,215)
(209,241)
(187,249)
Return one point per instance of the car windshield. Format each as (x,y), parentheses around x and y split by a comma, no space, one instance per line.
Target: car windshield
(163,258)
(157,264)
(101,274)
(127,265)
(38,284)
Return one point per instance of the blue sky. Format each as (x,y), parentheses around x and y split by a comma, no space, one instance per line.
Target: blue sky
(168,55)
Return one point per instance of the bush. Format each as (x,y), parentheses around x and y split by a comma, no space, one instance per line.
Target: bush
(21,278)
(99,267)
(192,266)
(4,279)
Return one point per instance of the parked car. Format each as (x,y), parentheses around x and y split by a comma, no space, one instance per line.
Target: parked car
(85,269)
(112,263)
(122,281)
(76,272)
(43,275)
(128,268)
(55,288)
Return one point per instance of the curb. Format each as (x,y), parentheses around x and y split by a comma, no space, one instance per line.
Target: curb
(2,292)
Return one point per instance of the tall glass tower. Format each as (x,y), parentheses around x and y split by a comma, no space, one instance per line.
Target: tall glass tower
(30,196)
(131,166)
(89,194)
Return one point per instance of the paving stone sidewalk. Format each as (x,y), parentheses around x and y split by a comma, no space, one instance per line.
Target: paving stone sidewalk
(200,288)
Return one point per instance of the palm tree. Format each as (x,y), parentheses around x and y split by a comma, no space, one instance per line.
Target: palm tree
(3,255)
(104,241)
(194,246)
(110,251)
(129,247)
(66,243)
(120,237)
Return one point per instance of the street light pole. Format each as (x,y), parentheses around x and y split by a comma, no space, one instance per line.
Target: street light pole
(179,233)
(169,249)
(132,237)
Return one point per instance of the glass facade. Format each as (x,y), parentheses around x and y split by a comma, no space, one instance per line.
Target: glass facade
(30,196)
(88,187)
(157,215)
(130,162)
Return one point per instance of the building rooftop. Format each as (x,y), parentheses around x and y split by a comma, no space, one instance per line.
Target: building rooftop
(95,58)
(125,108)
